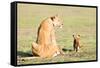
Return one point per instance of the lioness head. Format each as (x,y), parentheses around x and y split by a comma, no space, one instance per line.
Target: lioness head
(56,21)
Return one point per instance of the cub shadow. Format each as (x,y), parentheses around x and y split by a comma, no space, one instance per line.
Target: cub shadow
(65,50)
(24,54)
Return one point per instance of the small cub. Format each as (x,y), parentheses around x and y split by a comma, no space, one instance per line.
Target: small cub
(76,42)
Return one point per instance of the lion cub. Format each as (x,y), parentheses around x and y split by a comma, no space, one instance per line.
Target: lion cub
(76,42)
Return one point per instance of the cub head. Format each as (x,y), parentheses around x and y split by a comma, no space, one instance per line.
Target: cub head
(76,36)
(56,21)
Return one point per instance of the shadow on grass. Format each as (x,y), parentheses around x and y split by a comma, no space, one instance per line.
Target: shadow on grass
(24,54)
(29,54)
(65,50)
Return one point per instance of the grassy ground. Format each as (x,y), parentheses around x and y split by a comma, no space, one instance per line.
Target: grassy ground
(76,20)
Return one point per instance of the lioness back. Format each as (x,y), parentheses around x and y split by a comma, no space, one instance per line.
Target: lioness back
(46,27)
(44,32)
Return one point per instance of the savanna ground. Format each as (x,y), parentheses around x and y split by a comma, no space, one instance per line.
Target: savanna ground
(76,20)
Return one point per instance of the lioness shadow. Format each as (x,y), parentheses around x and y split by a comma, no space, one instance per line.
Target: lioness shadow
(65,50)
(24,54)
(29,54)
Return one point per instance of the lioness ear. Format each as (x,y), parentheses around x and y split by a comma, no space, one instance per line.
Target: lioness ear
(52,18)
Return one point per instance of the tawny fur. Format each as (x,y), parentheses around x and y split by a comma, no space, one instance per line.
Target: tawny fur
(46,45)
(76,42)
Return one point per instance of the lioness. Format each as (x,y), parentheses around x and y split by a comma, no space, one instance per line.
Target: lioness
(46,45)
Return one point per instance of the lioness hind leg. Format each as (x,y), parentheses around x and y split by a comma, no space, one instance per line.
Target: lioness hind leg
(34,45)
(34,48)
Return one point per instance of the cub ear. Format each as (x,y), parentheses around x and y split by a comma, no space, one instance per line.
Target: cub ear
(73,35)
(52,18)
(56,15)
(79,35)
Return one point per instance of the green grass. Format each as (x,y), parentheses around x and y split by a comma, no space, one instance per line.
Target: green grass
(76,20)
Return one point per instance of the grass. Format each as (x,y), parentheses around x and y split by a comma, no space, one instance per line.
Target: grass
(76,20)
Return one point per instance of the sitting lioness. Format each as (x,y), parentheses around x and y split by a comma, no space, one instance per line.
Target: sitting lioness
(46,45)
